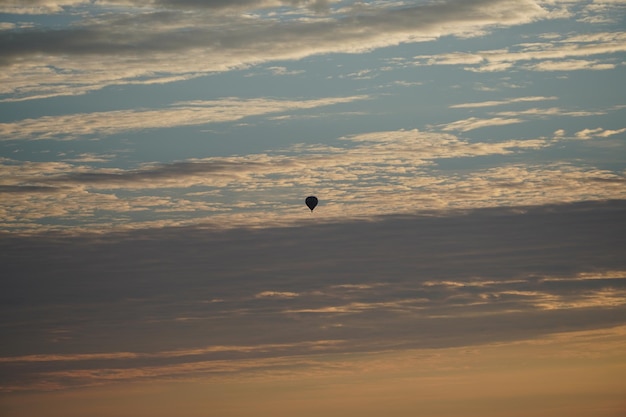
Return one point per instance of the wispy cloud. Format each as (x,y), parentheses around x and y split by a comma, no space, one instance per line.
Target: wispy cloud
(276,294)
(100,124)
(501,118)
(566,54)
(473,123)
(57,6)
(203,351)
(365,175)
(597,133)
(284,71)
(37,6)
(552,111)
(571,65)
(495,103)
(159,46)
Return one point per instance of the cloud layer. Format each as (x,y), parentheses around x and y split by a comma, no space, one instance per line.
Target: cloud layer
(369,174)
(158,46)
(186,301)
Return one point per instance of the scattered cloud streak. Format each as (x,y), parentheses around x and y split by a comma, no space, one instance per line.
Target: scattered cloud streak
(494,103)
(101,124)
(473,123)
(566,54)
(502,118)
(369,174)
(598,133)
(154,46)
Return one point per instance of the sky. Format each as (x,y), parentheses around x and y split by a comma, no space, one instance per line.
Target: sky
(465,258)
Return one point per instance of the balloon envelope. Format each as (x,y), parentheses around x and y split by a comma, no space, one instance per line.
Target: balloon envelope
(311,202)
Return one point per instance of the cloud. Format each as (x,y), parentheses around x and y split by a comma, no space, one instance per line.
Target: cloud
(216,171)
(89,157)
(58,6)
(571,65)
(400,151)
(37,6)
(284,71)
(473,123)
(10,189)
(276,294)
(494,103)
(138,304)
(200,112)
(608,132)
(557,55)
(203,351)
(502,118)
(552,111)
(599,132)
(364,175)
(602,11)
(150,46)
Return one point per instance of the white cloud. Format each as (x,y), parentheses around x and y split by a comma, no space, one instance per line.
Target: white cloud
(502,118)
(368,175)
(557,55)
(58,6)
(473,123)
(493,103)
(74,126)
(598,133)
(606,133)
(570,65)
(276,294)
(284,71)
(603,11)
(551,111)
(37,6)
(152,46)
(454,58)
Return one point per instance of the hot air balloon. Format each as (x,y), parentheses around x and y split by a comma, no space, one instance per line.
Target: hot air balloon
(311,202)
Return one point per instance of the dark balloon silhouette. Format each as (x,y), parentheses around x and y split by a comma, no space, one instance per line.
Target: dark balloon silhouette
(311,202)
